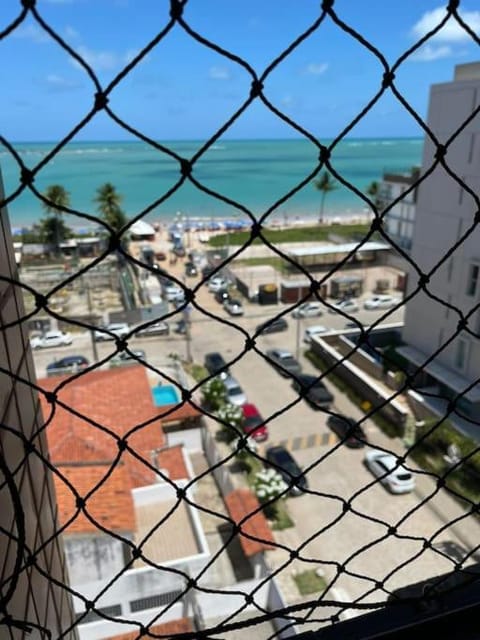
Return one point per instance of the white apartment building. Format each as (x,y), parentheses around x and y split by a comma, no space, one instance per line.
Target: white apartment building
(448,356)
(394,191)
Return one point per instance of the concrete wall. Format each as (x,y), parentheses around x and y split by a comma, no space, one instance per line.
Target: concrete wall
(93,557)
(106,629)
(361,384)
(191,439)
(222,474)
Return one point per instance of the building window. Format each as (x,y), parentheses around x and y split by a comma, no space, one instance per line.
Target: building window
(461,354)
(472,281)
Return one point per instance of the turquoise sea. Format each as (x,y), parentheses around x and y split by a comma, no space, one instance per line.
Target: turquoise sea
(255,173)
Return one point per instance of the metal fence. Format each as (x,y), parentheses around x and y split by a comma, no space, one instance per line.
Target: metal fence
(420,452)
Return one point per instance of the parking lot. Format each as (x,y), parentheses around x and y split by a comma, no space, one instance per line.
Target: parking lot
(347,520)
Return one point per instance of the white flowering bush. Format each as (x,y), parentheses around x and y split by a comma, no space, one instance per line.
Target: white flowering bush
(231,415)
(269,484)
(214,394)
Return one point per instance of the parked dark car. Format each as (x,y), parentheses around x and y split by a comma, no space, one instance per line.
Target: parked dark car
(69,364)
(282,460)
(221,295)
(215,363)
(191,269)
(313,390)
(179,251)
(207,270)
(285,362)
(348,430)
(272,326)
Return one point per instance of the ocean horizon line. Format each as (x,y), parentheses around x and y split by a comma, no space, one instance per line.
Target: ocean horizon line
(223,139)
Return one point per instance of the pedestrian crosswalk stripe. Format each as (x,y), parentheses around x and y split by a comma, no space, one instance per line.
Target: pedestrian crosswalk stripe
(302,442)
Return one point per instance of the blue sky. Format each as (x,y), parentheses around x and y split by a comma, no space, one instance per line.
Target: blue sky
(184,90)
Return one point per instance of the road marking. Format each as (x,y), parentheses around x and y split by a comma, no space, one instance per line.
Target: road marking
(302,442)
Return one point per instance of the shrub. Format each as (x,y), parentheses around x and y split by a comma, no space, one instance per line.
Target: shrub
(214,394)
(233,417)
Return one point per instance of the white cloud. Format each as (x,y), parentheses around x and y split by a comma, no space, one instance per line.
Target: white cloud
(105,60)
(451,31)
(71,33)
(315,69)
(219,73)
(31,32)
(98,60)
(428,53)
(288,101)
(59,83)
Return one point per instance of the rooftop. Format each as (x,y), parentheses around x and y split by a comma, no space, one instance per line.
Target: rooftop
(339,248)
(85,454)
(166,527)
(255,534)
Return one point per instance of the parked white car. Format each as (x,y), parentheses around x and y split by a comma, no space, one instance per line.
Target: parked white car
(174,293)
(218,282)
(381,301)
(308,310)
(119,329)
(393,475)
(346,306)
(310,332)
(51,339)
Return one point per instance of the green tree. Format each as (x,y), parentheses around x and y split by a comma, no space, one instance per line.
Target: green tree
(373,190)
(53,229)
(325,184)
(108,205)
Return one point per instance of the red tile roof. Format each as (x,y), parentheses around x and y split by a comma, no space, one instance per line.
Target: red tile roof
(173,461)
(167,629)
(110,505)
(240,503)
(185,411)
(118,400)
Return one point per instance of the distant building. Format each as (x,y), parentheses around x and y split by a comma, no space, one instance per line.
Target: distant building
(141,230)
(400,219)
(445,215)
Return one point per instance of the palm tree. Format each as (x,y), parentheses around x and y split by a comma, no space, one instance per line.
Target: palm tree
(108,204)
(54,228)
(108,201)
(325,184)
(373,191)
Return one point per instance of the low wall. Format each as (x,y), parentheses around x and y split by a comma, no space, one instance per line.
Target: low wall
(364,386)
(357,357)
(222,474)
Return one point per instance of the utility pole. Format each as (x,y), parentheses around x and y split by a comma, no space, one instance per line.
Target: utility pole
(299,321)
(92,333)
(188,337)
